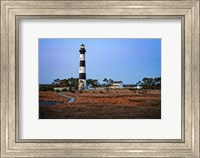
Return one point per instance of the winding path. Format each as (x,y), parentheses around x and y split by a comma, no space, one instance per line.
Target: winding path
(70,99)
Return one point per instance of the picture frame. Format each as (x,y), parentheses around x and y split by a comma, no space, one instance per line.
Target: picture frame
(12,11)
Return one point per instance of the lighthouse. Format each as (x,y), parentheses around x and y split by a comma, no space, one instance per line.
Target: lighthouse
(82,69)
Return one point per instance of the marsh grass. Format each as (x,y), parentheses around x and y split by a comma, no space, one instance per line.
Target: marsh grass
(124,104)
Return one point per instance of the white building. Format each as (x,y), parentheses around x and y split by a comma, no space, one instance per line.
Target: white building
(60,88)
(117,84)
(138,87)
(132,86)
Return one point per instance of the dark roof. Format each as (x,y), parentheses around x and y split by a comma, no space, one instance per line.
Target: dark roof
(130,85)
(117,81)
(82,44)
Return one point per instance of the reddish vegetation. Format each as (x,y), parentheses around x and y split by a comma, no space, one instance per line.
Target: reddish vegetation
(51,96)
(114,104)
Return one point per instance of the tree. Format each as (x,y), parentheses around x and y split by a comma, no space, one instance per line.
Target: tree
(96,83)
(157,81)
(64,83)
(93,83)
(73,83)
(108,83)
(147,81)
(56,82)
(89,81)
(45,87)
(150,82)
(139,83)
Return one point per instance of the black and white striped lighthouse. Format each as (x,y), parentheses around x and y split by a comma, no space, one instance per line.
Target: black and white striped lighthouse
(82,68)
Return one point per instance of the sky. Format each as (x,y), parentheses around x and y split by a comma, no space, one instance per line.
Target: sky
(127,60)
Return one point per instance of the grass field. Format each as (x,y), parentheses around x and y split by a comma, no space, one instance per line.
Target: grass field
(115,104)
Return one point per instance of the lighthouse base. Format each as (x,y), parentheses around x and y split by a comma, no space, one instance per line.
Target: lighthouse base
(82,85)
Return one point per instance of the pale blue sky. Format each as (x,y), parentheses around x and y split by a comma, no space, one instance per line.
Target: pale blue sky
(128,60)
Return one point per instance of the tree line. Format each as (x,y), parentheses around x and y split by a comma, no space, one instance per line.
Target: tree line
(150,83)
(72,83)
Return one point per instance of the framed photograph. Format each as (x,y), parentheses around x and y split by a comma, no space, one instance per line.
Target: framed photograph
(86,92)
(100,78)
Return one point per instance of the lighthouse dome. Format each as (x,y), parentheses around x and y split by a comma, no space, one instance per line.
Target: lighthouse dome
(82,46)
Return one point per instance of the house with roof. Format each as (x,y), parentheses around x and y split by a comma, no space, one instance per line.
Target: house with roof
(116,84)
(132,86)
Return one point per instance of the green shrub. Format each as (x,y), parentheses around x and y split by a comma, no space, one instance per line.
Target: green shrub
(65,90)
(71,90)
(46,88)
